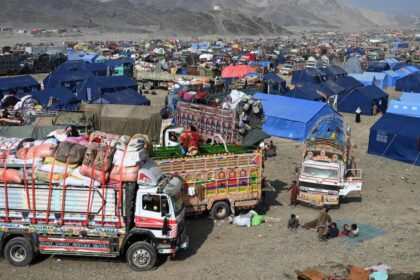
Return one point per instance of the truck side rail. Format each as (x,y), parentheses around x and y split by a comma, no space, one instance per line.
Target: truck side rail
(354,174)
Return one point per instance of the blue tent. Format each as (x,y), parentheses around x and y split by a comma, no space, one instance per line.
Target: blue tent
(389,138)
(393,76)
(64,99)
(378,66)
(275,79)
(348,83)
(392,62)
(363,97)
(122,97)
(68,79)
(308,76)
(306,92)
(97,69)
(291,117)
(406,108)
(19,84)
(112,63)
(410,97)
(410,83)
(91,89)
(334,72)
(331,88)
(372,78)
(81,55)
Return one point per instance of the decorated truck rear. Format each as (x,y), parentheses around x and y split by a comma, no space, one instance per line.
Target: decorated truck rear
(328,170)
(220,179)
(102,198)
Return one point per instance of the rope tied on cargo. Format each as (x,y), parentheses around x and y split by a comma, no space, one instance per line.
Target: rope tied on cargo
(25,183)
(118,208)
(47,216)
(104,182)
(92,174)
(34,221)
(6,194)
(63,196)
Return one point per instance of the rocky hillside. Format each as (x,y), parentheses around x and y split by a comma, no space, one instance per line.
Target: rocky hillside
(189,17)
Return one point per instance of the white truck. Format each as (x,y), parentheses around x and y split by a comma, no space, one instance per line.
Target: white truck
(133,220)
(328,170)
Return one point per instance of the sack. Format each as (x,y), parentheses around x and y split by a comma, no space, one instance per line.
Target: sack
(78,180)
(257,220)
(71,151)
(45,177)
(41,151)
(99,157)
(310,274)
(12,176)
(357,273)
(243,220)
(97,174)
(58,168)
(129,174)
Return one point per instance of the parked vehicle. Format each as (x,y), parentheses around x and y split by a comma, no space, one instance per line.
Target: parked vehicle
(221,179)
(151,80)
(287,69)
(137,221)
(328,170)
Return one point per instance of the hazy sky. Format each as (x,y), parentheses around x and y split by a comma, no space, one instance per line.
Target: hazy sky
(389,6)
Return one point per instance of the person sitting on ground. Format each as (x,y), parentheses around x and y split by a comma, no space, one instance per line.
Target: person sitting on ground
(332,231)
(271,150)
(293,222)
(345,231)
(354,230)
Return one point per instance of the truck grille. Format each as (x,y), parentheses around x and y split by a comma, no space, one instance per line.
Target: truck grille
(319,186)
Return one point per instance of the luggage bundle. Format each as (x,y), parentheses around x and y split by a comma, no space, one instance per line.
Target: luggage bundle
(95,160)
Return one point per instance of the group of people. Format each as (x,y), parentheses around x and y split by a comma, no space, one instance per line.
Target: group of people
(325,227)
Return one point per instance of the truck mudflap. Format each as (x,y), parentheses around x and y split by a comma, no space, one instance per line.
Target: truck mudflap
(182,244)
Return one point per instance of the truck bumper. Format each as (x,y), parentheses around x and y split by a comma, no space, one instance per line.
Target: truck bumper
(318,199)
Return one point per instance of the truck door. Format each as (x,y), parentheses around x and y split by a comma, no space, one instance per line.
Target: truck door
(149,214)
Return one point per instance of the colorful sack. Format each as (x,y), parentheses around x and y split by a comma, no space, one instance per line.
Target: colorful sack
(11,176)
(99,157)
(129,174)
(97,174)
(41,151)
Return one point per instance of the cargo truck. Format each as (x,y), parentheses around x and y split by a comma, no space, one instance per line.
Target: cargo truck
(221,179)
(328,170)
(135,221)
(151,80)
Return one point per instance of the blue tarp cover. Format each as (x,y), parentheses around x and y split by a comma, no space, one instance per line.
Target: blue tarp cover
(291,117)
(410,97)
(275,78)
(390,139)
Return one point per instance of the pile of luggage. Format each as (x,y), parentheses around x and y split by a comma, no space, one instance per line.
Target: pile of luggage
(92,160)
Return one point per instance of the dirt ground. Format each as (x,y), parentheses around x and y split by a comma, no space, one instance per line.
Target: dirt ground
(219,250)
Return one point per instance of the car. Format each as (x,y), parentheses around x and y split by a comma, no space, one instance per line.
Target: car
(287,69)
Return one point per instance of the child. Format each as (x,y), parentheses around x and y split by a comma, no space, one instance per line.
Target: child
(354,230)
(293,222)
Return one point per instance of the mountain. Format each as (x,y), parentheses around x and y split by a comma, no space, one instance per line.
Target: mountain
(408,19)
(190,17)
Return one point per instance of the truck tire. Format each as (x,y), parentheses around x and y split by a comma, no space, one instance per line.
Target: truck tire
(141,256)
(220,210)
(19,252)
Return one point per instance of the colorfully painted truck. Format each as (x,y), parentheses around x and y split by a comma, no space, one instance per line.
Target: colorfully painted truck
(221,179)
(328,172)
(133,220)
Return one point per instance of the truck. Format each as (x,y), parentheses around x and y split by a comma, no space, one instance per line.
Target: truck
(221,179)
(137,221)
(328,171)
(151,80)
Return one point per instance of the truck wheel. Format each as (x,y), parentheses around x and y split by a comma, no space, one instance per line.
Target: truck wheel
(19,252)
(220,210)
(141,256)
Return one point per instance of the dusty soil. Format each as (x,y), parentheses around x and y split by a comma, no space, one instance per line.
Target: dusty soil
(220,250)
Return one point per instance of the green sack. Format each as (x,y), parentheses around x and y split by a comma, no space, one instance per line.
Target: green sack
(257,220)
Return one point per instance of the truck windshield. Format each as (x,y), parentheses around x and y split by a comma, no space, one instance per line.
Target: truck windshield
(320,173)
